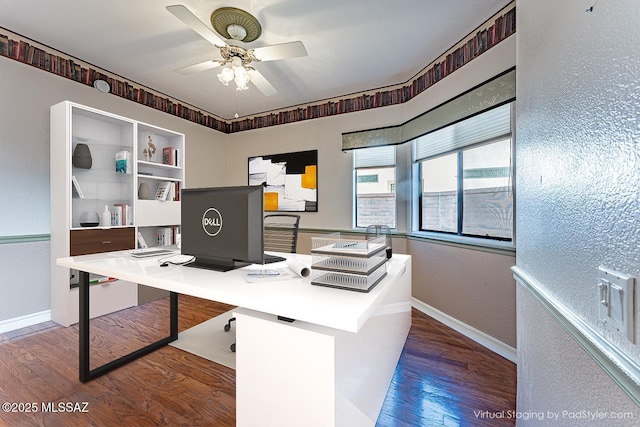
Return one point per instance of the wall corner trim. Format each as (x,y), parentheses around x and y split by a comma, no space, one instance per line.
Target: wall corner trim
(624,371)
(470,332)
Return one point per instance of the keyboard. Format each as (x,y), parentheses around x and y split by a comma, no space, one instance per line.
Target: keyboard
(147,252)
(270,259)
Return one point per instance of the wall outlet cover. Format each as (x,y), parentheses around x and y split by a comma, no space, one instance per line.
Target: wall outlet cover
(616,301)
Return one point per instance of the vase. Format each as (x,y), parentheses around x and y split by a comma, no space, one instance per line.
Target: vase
(89,219)
(82,157)
(143,191)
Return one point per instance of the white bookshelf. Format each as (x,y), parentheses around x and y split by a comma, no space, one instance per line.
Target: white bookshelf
(153,215)
(105,134)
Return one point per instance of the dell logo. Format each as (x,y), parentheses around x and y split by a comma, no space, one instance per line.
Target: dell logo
(212,222)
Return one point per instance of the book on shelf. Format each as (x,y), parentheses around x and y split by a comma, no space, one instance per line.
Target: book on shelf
(172,192)
(116,216)
(163,191)
(168,156)
(141,242)
(176,235)
(165,236)
(176,191)
(127,213)
(76,191)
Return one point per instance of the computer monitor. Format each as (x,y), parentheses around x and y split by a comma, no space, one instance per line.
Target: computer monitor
(223,227)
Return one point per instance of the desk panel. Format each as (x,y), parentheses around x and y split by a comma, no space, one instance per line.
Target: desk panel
(293,374)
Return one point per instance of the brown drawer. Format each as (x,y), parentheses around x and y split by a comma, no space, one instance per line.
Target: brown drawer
(101,240)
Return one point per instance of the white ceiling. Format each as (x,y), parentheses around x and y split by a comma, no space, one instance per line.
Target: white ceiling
(352,45)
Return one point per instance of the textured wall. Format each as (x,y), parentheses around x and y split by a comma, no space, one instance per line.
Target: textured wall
(578,174)
(559,385)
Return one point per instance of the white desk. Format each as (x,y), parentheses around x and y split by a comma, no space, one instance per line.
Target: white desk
(331,367)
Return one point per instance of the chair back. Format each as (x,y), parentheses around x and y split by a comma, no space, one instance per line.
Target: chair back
(281,232)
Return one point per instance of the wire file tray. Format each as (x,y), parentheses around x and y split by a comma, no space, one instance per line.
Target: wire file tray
(356,265)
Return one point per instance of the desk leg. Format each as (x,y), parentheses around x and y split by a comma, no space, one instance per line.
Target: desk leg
(87,374)
(83,326)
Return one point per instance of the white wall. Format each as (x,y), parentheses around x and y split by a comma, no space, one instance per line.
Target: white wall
(26,94)
(335,168)
(578,180)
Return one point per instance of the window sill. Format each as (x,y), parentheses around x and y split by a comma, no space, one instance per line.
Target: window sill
(507,248)
(485,245)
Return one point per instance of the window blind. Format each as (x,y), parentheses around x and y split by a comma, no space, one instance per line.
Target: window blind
(489,125)
(374,157)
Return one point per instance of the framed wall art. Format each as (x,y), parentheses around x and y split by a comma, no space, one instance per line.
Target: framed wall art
(290,180)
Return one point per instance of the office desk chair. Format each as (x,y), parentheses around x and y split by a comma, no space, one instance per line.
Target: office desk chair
(280,235)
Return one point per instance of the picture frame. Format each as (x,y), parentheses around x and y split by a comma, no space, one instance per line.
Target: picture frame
(290,180)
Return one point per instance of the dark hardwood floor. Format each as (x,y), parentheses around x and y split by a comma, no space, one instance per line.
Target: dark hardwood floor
(443,378)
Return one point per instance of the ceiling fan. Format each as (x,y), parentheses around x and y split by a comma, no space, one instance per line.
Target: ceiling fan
(238,27)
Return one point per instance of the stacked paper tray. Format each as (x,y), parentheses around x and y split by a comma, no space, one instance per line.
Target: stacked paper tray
(356,265)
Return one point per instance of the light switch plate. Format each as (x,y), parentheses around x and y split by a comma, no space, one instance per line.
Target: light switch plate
(616,301)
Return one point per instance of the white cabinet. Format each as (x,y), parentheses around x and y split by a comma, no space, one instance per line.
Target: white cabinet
(108,170)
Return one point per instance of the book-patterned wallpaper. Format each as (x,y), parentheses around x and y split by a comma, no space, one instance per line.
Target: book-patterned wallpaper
(485,37)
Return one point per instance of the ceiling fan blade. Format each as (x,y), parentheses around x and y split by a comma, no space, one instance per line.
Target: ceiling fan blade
(261,83)
(280,51)
(196,68)
(191,21)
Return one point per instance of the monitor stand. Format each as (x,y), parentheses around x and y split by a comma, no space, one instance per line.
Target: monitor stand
(270,259)
(217,264)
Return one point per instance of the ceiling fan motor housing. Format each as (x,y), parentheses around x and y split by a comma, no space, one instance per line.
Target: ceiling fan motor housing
(236,24)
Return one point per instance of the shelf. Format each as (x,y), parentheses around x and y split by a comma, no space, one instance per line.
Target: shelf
(95,282)
(101,228)
(158,165)
(158,178)
(99,173)
(103,200)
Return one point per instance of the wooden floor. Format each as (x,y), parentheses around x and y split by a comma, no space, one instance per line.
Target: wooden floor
(442,378)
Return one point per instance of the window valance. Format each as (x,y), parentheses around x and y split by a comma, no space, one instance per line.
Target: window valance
(495,92)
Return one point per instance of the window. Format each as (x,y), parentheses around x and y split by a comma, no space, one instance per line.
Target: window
(440,193)
(465,177)
(486,186)
(375,186)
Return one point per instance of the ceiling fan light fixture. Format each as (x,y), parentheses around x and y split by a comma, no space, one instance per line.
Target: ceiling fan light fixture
(241,78)
(235,70)
(226,75)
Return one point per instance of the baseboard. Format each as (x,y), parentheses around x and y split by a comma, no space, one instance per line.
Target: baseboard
(24,321)
(470,332)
